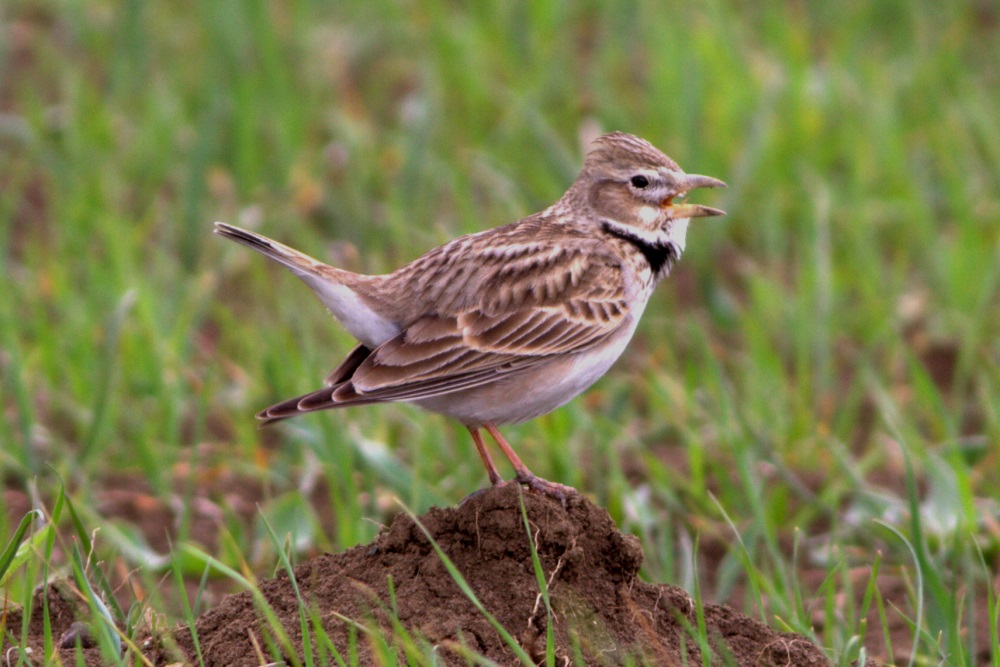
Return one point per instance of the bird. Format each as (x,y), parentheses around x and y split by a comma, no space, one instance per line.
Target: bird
(507,324)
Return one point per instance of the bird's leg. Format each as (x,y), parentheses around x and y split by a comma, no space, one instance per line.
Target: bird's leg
(491,468)
(525,476)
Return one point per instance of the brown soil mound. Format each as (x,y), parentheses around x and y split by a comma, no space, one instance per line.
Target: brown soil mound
(602,612)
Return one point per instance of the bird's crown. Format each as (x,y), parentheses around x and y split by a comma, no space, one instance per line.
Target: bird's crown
(620,151)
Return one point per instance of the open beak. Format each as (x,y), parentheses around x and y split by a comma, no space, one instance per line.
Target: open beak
(692,182)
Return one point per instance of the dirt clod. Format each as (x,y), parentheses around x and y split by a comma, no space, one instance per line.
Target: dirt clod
(600,610)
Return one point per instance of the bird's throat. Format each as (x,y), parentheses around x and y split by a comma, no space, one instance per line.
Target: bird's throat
(661,251)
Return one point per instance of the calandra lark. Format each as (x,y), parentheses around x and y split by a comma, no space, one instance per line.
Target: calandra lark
(508,324)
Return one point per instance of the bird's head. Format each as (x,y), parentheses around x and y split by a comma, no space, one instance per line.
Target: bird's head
(629,181)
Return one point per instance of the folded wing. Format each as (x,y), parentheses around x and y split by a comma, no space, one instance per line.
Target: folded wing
(541,304)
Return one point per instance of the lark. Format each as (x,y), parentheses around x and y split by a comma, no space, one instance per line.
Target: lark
(513,322)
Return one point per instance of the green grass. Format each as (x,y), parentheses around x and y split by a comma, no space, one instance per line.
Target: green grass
(822,363)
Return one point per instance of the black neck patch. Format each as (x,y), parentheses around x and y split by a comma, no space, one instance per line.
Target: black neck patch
(657,254)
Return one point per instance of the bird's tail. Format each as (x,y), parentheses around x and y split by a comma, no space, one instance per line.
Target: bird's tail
(299,263)
(336,288)
(321,399)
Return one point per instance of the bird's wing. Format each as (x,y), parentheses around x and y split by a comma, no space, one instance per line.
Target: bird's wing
(346,368)
(445,353)
(489,304)
(440,354)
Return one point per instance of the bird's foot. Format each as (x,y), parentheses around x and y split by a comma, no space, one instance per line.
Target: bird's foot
(534,483)
(553,489)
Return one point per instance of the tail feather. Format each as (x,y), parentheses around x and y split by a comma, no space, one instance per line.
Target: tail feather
(363,317)
(321,399)
(297,261)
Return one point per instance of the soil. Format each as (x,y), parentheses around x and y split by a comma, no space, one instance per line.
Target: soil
(601,610)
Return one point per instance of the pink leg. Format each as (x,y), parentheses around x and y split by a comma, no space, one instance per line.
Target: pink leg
(491,468)
(525,476)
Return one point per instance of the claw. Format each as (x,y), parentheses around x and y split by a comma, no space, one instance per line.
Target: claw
(553,489)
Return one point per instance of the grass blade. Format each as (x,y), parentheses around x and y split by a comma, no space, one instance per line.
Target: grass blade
(13,556)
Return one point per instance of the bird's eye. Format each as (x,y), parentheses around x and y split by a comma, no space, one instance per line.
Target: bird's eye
(640,181)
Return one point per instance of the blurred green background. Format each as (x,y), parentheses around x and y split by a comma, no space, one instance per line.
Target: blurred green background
(824,357)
